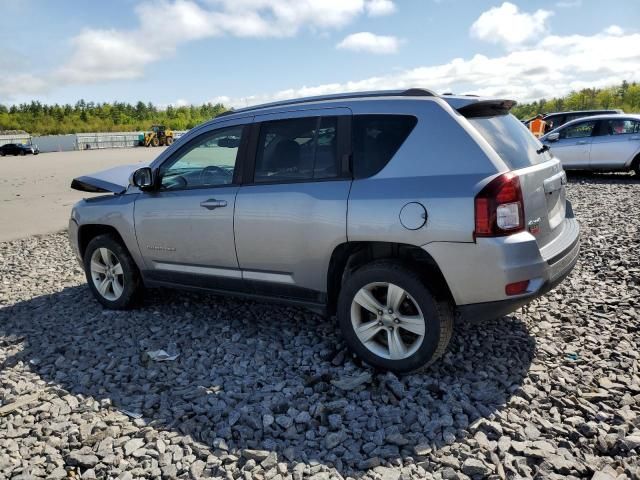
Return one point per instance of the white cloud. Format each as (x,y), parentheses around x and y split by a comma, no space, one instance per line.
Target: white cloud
(116,54)
(614,30)
(569,3)
(552,67)
(370,43)
(507,25)
(377,8)
(109,54)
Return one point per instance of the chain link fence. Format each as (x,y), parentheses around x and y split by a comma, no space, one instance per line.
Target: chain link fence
(90,141)
(22,138)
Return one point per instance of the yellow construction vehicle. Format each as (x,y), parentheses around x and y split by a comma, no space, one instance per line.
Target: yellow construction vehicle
(157,136)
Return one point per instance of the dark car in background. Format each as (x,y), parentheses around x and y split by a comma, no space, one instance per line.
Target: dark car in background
(557,119)
(18,149)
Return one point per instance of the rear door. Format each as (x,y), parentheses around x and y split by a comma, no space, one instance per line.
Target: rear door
(291,212)
(542,178)
(574,145)
(616,144)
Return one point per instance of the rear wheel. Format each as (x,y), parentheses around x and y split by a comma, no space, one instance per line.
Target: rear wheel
(391,319)
(111,273)
(155,142)
(22,153)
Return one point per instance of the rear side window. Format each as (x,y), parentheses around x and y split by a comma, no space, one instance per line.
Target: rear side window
(376,139)
(297,149)
(511,140)
(619,127)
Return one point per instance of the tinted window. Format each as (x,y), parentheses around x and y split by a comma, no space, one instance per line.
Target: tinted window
(376,139)
(619,127)
(579,130)
(297,149)
(209,161)
(511,140)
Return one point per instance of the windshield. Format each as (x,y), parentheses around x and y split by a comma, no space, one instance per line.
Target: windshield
(511,140)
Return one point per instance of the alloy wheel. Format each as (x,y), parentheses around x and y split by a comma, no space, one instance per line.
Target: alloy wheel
(387,320)
(107,274)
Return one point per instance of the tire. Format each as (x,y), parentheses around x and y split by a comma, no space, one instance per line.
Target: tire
(169,141)
(155,142)
(125,289)
(635,166)
(22,154)
(419,307)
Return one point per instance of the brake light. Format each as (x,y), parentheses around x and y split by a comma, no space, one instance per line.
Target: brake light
(499,208)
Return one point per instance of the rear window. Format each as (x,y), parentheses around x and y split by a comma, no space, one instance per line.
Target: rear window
(376,139)
(511,140)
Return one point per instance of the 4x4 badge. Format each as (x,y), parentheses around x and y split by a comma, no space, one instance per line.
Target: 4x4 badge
(534,226)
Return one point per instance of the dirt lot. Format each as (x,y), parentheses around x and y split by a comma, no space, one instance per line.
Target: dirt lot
(35,197)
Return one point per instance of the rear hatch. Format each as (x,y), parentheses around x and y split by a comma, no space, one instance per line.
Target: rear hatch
(541,176)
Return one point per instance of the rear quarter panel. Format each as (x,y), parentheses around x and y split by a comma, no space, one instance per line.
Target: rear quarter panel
(441,165)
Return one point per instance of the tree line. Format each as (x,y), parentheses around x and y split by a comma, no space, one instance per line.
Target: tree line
(41,119)
(625,96)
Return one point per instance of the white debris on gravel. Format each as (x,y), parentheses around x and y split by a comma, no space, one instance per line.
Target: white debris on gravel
(268,392)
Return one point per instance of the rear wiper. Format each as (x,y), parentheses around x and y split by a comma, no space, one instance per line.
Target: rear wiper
(542,149)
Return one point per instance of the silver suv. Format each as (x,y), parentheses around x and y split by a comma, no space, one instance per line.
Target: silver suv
(397,211)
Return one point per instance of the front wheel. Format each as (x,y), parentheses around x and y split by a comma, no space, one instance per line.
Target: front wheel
(391,320)
(112,274)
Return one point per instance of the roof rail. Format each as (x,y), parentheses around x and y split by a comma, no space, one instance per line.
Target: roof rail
(411,92)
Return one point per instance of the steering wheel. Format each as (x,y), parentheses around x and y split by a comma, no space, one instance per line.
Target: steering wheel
(213,170)
(177,181)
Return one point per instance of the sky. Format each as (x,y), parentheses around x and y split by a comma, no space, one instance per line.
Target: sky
(243,52)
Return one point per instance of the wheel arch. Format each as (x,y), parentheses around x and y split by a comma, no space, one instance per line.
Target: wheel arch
(349,256)
(90,231)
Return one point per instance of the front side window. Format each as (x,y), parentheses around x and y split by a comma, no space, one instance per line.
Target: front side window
(297,149)
(209,161)
(620,127)
(376,139)
(580,130)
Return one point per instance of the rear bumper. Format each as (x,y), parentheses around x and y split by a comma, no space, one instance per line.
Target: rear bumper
(477,273)
(479,312)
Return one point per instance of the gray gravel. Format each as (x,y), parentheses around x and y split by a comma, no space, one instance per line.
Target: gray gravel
(268,392)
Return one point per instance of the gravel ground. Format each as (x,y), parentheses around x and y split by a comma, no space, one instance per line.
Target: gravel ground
(268,392)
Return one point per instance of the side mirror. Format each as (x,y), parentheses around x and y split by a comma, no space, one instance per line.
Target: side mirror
(142,178)
(553,137)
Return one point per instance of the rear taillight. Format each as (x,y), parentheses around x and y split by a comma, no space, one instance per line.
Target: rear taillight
(499,209)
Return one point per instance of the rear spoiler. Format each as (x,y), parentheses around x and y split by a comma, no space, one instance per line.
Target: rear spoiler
(487,108)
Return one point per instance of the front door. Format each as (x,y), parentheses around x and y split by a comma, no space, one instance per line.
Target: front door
(574,144)
(185,228)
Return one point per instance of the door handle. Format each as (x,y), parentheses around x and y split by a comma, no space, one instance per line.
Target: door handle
(581,142)
(212,204)
(634,137)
